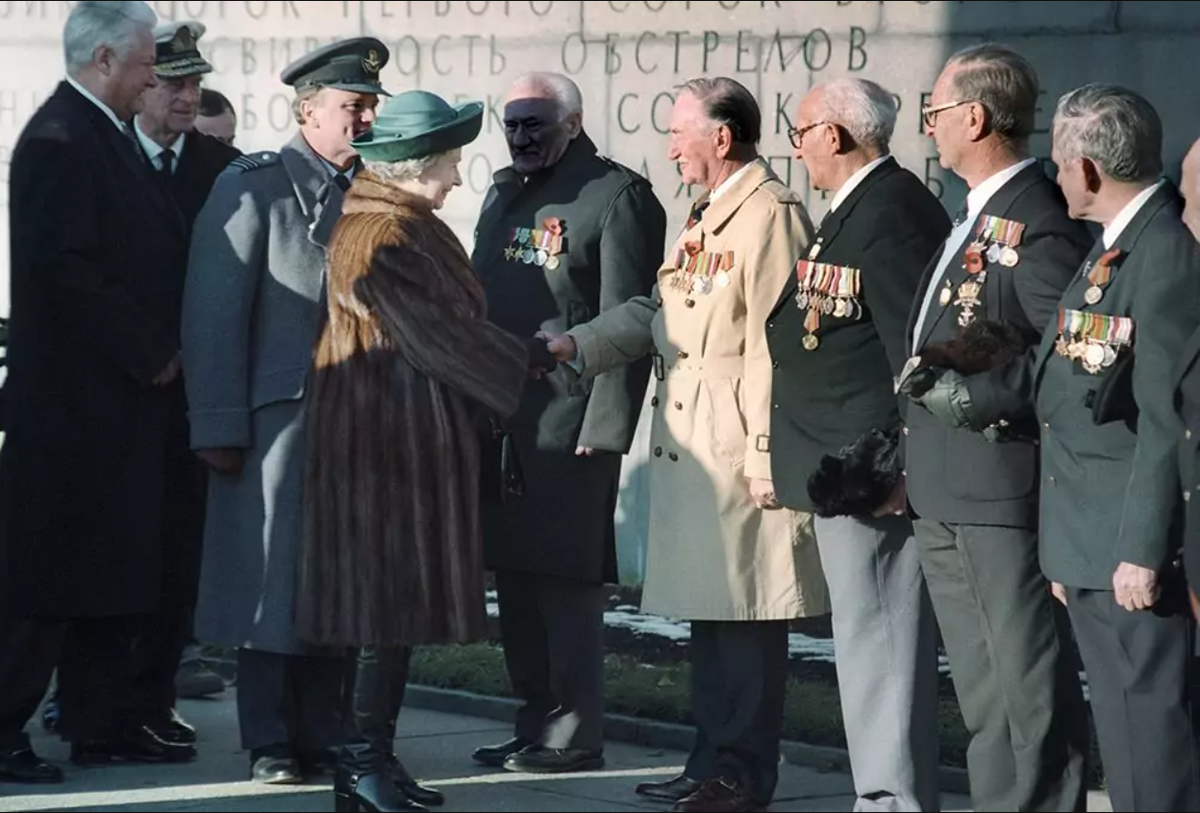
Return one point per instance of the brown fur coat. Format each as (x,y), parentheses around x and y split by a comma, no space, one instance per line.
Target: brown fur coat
(405,366)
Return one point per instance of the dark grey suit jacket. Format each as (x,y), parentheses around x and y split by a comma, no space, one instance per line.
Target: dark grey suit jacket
(958,476)
(1110,492)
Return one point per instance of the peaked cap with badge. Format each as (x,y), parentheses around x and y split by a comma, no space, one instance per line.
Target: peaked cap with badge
(416,124)
(352,65)
(177,50)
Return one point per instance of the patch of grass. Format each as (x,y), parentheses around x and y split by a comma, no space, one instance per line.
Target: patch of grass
(812,712)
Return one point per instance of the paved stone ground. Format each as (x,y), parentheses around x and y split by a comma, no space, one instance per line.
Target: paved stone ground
(436,747)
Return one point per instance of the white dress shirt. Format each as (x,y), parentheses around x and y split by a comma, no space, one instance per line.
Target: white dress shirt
(154,151)
(976,200)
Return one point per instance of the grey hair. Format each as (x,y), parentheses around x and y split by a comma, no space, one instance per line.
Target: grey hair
(562,89)
(728,104)
(397,171)
(864,109)
(1004,82)
(1113,126)
(93,25)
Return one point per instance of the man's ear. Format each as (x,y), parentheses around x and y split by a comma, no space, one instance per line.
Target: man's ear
(724,141)
(1091,174)
(574,124)
(105,59)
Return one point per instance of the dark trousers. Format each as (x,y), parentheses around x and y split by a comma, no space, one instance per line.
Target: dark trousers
(97,693)
(553,634)
(1139,669)
(29,652)
(1010,657)
(289,701)
(739,676)
(158,651)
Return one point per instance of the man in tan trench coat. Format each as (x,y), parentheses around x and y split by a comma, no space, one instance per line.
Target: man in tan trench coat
(721,552)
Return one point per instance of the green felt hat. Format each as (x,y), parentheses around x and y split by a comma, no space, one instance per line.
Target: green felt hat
(415,124)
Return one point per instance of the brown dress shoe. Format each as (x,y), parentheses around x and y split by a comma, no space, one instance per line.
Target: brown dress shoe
(672,790)
(717,796)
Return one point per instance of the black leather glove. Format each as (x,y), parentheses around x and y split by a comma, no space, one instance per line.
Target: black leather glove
(540,357)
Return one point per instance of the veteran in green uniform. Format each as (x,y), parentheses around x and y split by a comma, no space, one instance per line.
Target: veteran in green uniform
(564,235)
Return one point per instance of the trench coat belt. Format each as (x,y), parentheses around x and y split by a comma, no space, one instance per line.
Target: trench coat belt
(703,368)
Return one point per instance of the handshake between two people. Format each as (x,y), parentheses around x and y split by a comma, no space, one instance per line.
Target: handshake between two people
(547,350)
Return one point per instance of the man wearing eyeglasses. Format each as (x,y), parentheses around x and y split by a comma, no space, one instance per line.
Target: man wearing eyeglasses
(840,320)
(973,482)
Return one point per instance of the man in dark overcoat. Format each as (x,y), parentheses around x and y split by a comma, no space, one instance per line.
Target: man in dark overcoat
(563,235)
(253,305)
(187,164)
(98,254)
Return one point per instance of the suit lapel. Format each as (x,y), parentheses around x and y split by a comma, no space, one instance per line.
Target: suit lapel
(956,274)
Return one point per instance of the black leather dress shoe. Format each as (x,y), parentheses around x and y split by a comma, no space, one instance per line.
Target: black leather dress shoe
(275,767)
(494,755)
(137,745)
(672,790)
(536,759)
(718,796)
(28,768)
(410,788)
(173,728)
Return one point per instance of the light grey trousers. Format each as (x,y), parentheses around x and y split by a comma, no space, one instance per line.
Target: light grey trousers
(885,641)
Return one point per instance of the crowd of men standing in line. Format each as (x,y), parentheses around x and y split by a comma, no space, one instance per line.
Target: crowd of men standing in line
(1064,471)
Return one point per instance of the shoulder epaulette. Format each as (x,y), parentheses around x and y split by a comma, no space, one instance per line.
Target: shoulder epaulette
(252,161)
(626,171)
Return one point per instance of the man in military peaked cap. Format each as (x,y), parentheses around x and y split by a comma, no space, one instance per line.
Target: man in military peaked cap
(252,307)
(186,164)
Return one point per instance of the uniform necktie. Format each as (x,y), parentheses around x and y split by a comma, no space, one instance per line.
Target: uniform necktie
(342,181)
(167,167)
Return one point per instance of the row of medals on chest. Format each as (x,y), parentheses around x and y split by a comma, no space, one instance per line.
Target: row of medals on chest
(1094,339)
(978,255)
(701,271)
(825,290)
(540,247)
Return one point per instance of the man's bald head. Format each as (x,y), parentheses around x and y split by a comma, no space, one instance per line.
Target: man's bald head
(1189,185)
(543,114)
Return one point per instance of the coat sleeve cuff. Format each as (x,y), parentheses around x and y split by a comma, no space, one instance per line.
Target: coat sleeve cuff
(758,457)
(220,429)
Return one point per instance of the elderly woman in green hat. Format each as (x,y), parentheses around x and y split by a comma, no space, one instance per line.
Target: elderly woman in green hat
(405,369)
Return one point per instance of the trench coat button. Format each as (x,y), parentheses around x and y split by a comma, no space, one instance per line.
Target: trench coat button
(1188,434)
(905,430)
(654,401)
(674,457)
(658,451)
(1052,481)
(690,303)
(1046,425)
(1187,496)
(678,405)
(683,354)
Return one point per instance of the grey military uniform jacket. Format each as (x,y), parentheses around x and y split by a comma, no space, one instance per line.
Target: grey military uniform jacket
(252,310)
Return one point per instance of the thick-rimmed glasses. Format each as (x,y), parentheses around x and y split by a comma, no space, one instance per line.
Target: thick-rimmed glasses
(929,114)
(796,136)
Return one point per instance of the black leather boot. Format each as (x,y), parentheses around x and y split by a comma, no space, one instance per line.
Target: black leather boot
(364,780)
(430,797)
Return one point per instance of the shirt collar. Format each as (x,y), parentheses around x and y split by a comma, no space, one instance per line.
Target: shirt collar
(332,170)
(152,148)
(91,97)
(855,179)
(1113,231)
(728,183)
(978,197)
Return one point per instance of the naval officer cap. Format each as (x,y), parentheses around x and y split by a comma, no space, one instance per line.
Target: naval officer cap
(177,50)
(351,65)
